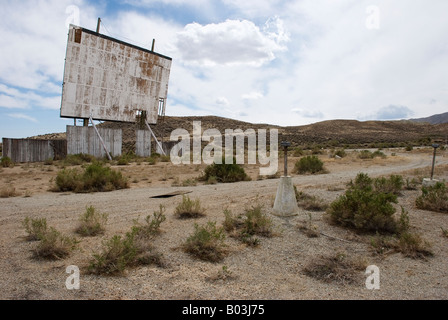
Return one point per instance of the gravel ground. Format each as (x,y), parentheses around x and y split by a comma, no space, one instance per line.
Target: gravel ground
(273,270)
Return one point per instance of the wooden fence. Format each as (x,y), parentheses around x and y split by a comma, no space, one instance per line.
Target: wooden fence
(31,150)
(85,140)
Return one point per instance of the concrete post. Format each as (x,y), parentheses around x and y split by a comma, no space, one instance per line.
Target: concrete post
(285,204)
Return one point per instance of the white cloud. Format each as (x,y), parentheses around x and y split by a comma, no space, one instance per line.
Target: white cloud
(33,41)
(233,42)
(314,114)
(24,99)
(256,8)
(391,112)
(22,116)
(222,101)
(254,95)
(11,103)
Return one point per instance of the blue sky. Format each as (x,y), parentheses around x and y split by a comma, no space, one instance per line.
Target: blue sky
(261,61)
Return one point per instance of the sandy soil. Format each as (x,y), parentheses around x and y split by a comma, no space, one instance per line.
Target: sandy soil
(273,270)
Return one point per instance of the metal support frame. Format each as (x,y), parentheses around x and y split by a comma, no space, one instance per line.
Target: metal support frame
(435,146)
(155,138)
(101,139)
(285,145)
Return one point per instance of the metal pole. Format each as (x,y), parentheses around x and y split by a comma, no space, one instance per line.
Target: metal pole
(155,138)
(101,140)
(285,145)
(435,146)
(98,25)
(285,151)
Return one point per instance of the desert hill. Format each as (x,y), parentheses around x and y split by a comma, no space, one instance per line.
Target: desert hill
(331,132)
(325,133)
(434,119)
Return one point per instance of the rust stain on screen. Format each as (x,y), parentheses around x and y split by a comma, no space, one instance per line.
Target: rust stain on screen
(112,80)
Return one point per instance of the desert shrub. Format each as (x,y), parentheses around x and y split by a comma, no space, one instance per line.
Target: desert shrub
(366,154)
(411,184)
(151,227)
(8,191)
(409,147)
(298,152)
(309,202)
(340,153)
(444,232)
(309,164)
(91,223)
(211,180)
(123,161)
(337,268)
(409,243)
(433,198)
(207,242)
(48,162)
(378,153)
(35,228)
(95,178)
(189,208)
(364,208)
(393,184)
(151,161)
(134,248)
(116,255)
(257,222)
(53,245)
(78,159)
(412,245)
(254,222)
(164,158)
(6,162)
(189,182)
(68,180)
(225,172)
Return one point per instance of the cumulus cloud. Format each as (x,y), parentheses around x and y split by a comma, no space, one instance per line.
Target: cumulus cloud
(315,114)
(233,42)
(13,98)
(392,112)
(254,95)
(222,101)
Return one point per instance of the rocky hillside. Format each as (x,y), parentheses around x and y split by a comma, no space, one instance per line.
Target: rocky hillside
(325,133)
(435,119)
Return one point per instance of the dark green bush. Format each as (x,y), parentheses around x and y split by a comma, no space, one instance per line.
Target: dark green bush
(78,159)
(394,184)
(225,172)
(309,164)
(366,154)
(364,208)
(6,162)
(95,178)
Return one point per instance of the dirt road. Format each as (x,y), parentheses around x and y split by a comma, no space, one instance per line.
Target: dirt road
(274,270)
